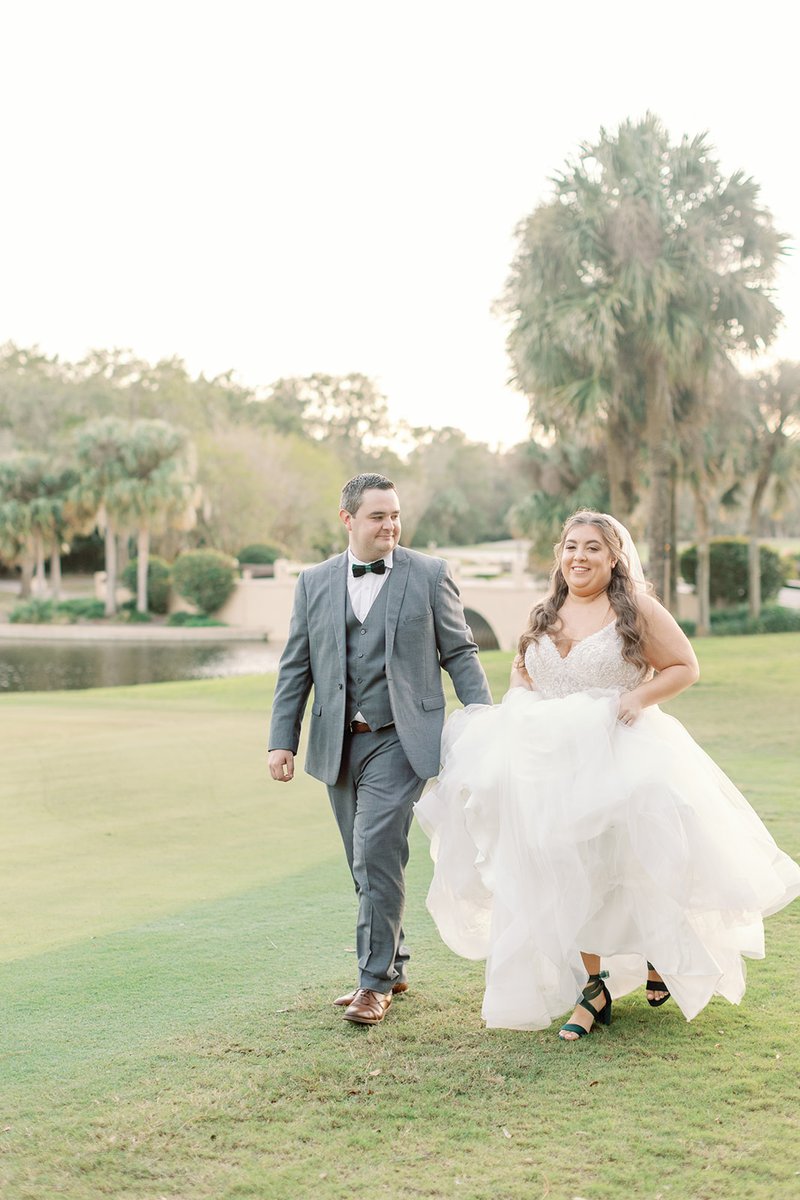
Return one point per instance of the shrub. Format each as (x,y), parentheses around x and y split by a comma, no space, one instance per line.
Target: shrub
(32,612)
(81,609)
(204,577)
(192,620)
(729,570)
(730,622)
(131,614)
(158,582)
(259,554)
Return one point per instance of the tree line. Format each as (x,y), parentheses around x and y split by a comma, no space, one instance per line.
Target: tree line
(639,293)
(153,457)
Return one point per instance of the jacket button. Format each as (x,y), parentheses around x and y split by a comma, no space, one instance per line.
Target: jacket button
(341,685)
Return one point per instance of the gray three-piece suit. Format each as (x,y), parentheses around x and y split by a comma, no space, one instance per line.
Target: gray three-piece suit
(386,668)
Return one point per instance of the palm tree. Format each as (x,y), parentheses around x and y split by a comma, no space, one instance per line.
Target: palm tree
(35,516)
(773,430)
(160,472)
(100,450)
(644,269)
(137,475)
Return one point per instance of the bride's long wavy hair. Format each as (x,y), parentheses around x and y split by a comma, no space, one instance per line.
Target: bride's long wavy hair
(545,618)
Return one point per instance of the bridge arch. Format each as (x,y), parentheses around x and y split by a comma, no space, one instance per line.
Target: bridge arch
(482,630)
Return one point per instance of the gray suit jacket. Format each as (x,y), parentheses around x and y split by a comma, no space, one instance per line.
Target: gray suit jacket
(425,631)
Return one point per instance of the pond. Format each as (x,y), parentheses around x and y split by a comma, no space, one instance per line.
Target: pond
(55,666)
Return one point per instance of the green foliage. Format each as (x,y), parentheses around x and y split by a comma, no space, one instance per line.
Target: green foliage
(81,609)
(294,504)
(129,612)
(729,571)
(186,619)
(158,582)
(32,612)
(555,481)
(454,491)
(773,618)
(259,554)
(204,577)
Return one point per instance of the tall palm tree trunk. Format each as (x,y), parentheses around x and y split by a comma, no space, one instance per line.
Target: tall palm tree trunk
(754,527)
(111,570)
(660,449)
(703,584)
(26,576)
(55,572)
(142,562)
(40,575)
(673,539)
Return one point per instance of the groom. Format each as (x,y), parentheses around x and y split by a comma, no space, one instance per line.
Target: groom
(370,631)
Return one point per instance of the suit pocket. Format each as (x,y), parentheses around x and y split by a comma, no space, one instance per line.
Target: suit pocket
(422,616)
(316,709)
(431,703)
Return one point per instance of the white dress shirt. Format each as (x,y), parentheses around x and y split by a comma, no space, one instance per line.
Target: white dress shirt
(363,591)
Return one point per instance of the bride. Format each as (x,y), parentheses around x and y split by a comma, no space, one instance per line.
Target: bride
(576,825)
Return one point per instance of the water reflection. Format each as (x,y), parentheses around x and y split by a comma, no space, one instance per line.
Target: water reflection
(55,666)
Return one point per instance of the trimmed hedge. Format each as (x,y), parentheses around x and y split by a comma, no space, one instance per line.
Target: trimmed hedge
(259,554)
(729,571)
(206,578)
(726,622)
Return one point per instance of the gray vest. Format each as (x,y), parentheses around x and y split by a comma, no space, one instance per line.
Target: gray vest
(367,689)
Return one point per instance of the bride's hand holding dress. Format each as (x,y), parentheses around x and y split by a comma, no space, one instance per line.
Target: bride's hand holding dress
(577,817)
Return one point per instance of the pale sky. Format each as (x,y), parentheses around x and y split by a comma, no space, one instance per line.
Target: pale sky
(317,185)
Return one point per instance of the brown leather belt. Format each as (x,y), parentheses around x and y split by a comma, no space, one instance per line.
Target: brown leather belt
(363,727)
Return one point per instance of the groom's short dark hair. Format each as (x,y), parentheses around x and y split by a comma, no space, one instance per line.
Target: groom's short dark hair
(354,489)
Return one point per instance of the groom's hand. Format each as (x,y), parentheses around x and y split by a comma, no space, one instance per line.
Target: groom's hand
(281,765)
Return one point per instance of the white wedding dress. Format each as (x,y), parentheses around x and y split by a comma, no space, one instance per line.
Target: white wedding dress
(555,829)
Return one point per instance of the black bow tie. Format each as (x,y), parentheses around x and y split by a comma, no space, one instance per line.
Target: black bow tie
(377,568)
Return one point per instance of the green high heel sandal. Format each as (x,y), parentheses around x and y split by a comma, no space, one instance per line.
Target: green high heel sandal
(652,986)
(594,988)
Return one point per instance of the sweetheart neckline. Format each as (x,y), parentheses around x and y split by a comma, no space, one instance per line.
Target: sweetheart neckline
(580,641)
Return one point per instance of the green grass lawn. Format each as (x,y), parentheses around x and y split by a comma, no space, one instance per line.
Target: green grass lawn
(174,927)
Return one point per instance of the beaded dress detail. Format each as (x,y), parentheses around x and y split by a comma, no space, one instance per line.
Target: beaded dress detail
(556,829)
(593,662)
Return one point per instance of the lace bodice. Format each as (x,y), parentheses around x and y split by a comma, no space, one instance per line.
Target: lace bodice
(594,662)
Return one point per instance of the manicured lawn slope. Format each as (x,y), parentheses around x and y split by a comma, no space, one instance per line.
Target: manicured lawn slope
(174,927)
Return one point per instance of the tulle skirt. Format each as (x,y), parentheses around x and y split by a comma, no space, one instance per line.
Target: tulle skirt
(556,829)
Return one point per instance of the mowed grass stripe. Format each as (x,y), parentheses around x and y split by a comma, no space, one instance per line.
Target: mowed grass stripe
(189,1047)
(115,813)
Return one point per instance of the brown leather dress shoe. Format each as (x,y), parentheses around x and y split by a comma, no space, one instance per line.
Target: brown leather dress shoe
(347,1000)
(368,1007)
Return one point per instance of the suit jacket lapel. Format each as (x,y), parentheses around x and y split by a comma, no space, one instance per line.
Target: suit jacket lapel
(396,585)
(337,589)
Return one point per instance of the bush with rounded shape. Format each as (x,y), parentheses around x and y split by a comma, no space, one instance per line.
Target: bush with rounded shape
(729,571)
(158,582)
(259,554)
(204,577)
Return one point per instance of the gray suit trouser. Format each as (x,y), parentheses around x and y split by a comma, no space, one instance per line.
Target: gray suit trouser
(373,801)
